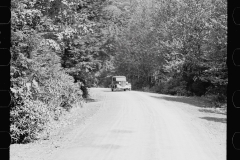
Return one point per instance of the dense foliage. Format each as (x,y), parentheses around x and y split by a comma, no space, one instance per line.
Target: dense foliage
(56,52)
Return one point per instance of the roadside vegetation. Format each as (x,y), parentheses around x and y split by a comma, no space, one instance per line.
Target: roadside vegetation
(57,48)
(60,48)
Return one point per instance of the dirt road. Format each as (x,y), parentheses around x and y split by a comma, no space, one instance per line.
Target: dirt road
(146,126)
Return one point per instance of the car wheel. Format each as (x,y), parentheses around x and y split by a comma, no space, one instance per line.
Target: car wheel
(112,90)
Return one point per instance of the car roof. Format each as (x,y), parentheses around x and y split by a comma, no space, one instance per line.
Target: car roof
(118,76)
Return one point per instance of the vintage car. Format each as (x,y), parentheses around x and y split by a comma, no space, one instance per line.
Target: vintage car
(120,83)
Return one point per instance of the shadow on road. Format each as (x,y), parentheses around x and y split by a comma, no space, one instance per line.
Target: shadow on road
(114,91)
(211,111)
(187,100)
(215,119)
(88,100)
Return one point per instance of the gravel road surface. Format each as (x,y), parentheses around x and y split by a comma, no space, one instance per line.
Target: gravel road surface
(140,126)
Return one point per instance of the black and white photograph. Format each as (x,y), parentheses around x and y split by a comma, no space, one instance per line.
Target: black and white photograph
(118,80)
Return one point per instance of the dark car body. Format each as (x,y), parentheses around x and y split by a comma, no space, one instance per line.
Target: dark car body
(120,83)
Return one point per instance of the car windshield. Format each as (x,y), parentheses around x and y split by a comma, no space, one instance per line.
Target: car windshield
(119,79)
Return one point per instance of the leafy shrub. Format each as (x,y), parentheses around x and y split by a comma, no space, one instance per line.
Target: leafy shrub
(146,89)
(33,110)
(35,107)
(174,86)
(217,94)
(139,84)
(28,118)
